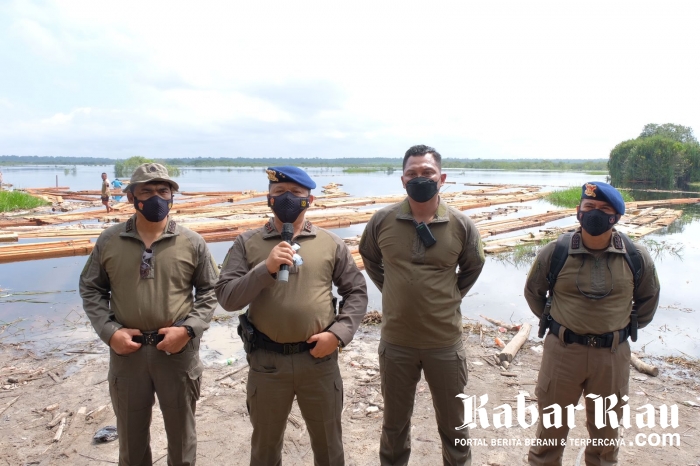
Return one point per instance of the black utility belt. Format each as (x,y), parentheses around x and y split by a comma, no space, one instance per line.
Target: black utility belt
(262,341)
(148,338)
(595,341)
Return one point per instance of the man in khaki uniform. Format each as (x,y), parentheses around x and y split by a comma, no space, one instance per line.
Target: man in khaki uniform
(297,333)
(104,197)
(411,251)
(137,291)
(586,349)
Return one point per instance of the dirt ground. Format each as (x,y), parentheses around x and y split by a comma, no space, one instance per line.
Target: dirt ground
(35,391)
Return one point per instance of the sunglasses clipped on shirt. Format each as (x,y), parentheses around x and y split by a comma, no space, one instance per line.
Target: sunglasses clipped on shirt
(147,268)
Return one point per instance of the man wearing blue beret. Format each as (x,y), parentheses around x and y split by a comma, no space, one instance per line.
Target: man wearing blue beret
(291,330)
(591,289)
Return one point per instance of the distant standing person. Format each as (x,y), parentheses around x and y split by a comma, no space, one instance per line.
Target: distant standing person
(105,193)
(424,257)
(117,185)
(148,289)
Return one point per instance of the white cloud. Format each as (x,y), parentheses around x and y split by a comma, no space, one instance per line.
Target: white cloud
(506,79)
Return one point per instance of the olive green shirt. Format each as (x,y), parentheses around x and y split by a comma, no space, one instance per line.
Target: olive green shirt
(292,312)
(422,288)
(597,274)
(114,294)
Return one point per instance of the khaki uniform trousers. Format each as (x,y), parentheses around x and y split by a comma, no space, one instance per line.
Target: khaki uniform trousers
(133,380)
(568,370)
(445,372)
(273,381)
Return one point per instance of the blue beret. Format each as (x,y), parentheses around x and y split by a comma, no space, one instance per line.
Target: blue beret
(289,173)
(599,191)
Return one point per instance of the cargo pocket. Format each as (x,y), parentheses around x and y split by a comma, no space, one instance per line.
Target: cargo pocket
(250,401)
(382,369)
(462,369)
(194,377)
(114,390)
(542,388)
(339,397)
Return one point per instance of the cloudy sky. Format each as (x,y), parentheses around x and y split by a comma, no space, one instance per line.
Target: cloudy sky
(498,79)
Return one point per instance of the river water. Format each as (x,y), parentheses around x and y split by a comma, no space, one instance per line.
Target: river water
(40,298)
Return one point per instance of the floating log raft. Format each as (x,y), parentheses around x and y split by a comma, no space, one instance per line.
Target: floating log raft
(23,252)
(218,216)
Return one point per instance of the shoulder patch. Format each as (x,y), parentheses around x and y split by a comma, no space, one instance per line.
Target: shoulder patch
(130,224)
(617,242)
(575,241)
(268,227)
(171,226)
(307,226)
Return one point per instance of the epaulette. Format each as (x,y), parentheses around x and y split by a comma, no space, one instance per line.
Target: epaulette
(171,226)
(617,242)
(268,227)
(130,224)
(576,241)
(307,226)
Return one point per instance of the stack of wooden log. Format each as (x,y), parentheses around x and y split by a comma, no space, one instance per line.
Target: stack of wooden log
(221,216)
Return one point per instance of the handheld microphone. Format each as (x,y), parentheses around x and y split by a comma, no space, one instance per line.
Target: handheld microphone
(287,235)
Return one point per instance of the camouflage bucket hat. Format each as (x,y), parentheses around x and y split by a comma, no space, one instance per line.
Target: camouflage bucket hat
(147,172)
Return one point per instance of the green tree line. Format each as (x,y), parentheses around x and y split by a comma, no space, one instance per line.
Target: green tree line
(664,156)
(124,168)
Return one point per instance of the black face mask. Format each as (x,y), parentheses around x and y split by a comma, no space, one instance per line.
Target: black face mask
(287,207)
(421,189)
(596,222)
(155,208)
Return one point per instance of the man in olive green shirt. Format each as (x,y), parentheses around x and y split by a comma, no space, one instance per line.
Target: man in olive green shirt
(295,352)
(411,251)
(137,291)
(586,350)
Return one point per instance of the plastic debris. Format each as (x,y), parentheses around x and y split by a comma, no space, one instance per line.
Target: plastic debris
(106,434)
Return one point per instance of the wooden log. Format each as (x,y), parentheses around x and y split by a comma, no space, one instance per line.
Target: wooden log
(59,432)
(500,323)
(8,237)
(511,349)
(9,404)
(643,367)
(233,372)
(54,422)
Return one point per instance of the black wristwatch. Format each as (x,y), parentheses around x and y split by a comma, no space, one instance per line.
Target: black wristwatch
(190,331)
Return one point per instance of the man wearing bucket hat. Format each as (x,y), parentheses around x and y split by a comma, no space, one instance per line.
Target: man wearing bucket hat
(291,331)
(592,289)
(137,290)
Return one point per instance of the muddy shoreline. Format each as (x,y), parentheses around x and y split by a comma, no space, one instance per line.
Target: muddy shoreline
(37,389)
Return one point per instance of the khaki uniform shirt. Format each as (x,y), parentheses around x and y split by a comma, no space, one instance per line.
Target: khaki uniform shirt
(292,312)
(114,294)
(594,273)
(421,287)
(105,188)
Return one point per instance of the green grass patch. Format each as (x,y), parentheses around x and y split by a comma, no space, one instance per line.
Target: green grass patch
(522,255)
(572,196)
(16,200)
(361,169)
(695,183)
